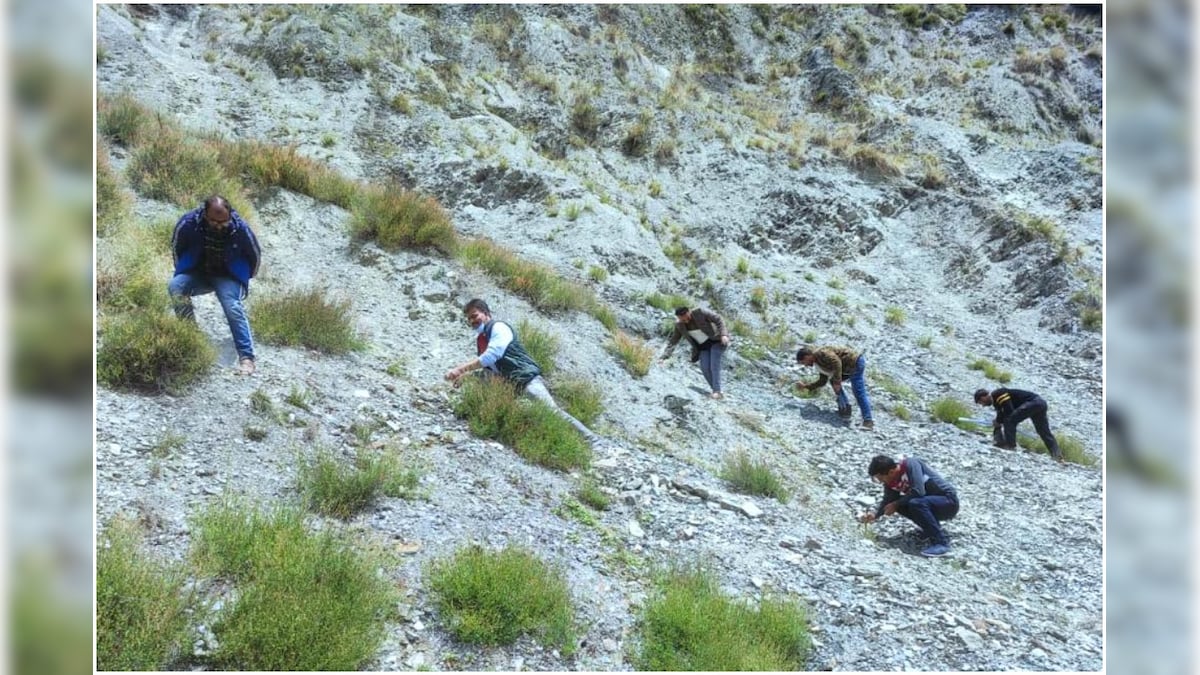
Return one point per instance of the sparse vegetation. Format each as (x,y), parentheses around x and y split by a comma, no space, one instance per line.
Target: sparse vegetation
(541,285)
(150,351)
(633,353)
(753,477)
(758,298)
(166,445)
(990,370)
(949,410)
(541,344)
(894,316)
(143,613)
(339,489)
(589,493)
(494,597)
(300,398)
(901,412)
(396,219)
(308,318)
(597,274)
(304,601)
(837,300)
(689,624)
(581,398)
(925,341)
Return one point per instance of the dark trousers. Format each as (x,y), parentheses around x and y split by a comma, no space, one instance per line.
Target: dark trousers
(1034,410)
(927,511)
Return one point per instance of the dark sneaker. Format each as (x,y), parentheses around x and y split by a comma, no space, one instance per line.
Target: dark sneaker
(936,550)
(868,424)
(246,366)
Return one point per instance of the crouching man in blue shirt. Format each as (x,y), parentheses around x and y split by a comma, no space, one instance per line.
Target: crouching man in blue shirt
(914,490)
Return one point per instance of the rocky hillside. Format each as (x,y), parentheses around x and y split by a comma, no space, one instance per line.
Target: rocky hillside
(922,182)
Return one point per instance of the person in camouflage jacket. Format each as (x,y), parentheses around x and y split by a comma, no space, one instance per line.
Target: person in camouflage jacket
(836,365)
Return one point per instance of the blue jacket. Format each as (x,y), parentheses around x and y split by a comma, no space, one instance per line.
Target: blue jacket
(242,255)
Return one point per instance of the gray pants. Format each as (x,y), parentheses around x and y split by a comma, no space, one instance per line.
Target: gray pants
(536,389)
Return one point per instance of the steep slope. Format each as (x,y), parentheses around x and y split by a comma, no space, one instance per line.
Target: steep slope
(802,155)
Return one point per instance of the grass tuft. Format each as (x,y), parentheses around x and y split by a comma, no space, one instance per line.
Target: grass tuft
(401,219)
(304,601)
(589,493)
(633,353)
(542,286)
(306,318)
(541,344)
(334,488)
(142,611)
(152,352)
(950,410)
(581,398)
(752,477)
(494,597)
(990,370)
(493,410)
(894,316)
(691,625)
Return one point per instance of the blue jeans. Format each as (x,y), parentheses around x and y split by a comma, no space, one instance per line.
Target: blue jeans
(927,511)
(229,293)
(858,383)
(710,365)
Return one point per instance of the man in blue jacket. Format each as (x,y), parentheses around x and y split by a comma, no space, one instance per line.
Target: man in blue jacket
(215,251)
(914,490)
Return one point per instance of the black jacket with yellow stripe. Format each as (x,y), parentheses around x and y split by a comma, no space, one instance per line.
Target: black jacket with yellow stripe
(1006,401)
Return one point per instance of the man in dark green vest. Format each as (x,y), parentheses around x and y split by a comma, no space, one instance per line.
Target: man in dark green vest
(501,353)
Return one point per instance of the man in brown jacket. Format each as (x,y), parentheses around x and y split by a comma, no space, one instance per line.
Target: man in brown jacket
(706,332)
(837,364)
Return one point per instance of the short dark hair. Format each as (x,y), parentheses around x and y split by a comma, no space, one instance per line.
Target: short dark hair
(680,311)
(803,352)
(216,200)
(880,464)
(980,393)
(476,303)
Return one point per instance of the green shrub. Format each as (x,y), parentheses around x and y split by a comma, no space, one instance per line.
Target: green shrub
(752,477)
(835,283)
(690,624)
(1071,448)
(894,316)
(632,352)
(494,597)
(142,611)
(901,412)
(123,120)
(132,269)
(743,265)
(837,300)
(637,139)
(990,370)
(541,344)
(581,398)
(335,488)
(152,352)
(655,189)
(401,219)
(949,410)
(299,398)
(589,493)
(492,410)
(758,298)
(542,286)
(306,318)
(304,601)
(925,341)
(667,303)
(264,165)
(171,167)
(113,201)
(51,632)
(597,273)
(585,118)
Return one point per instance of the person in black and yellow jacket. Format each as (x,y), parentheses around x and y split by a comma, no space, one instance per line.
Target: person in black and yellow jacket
(1012,407)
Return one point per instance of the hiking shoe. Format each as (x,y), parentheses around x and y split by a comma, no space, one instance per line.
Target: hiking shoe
(868,424)
(716,396)
(936,550)
(246,366)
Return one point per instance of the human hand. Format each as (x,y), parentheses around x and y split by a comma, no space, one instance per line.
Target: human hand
(867,518)
(890,509)
(453,374)
(725,340)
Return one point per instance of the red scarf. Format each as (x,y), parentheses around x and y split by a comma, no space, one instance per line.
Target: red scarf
(901,484)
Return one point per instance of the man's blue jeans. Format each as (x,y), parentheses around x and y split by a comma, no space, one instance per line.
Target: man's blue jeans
(858,383)
(229,293)
(710,365)
(927,511)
